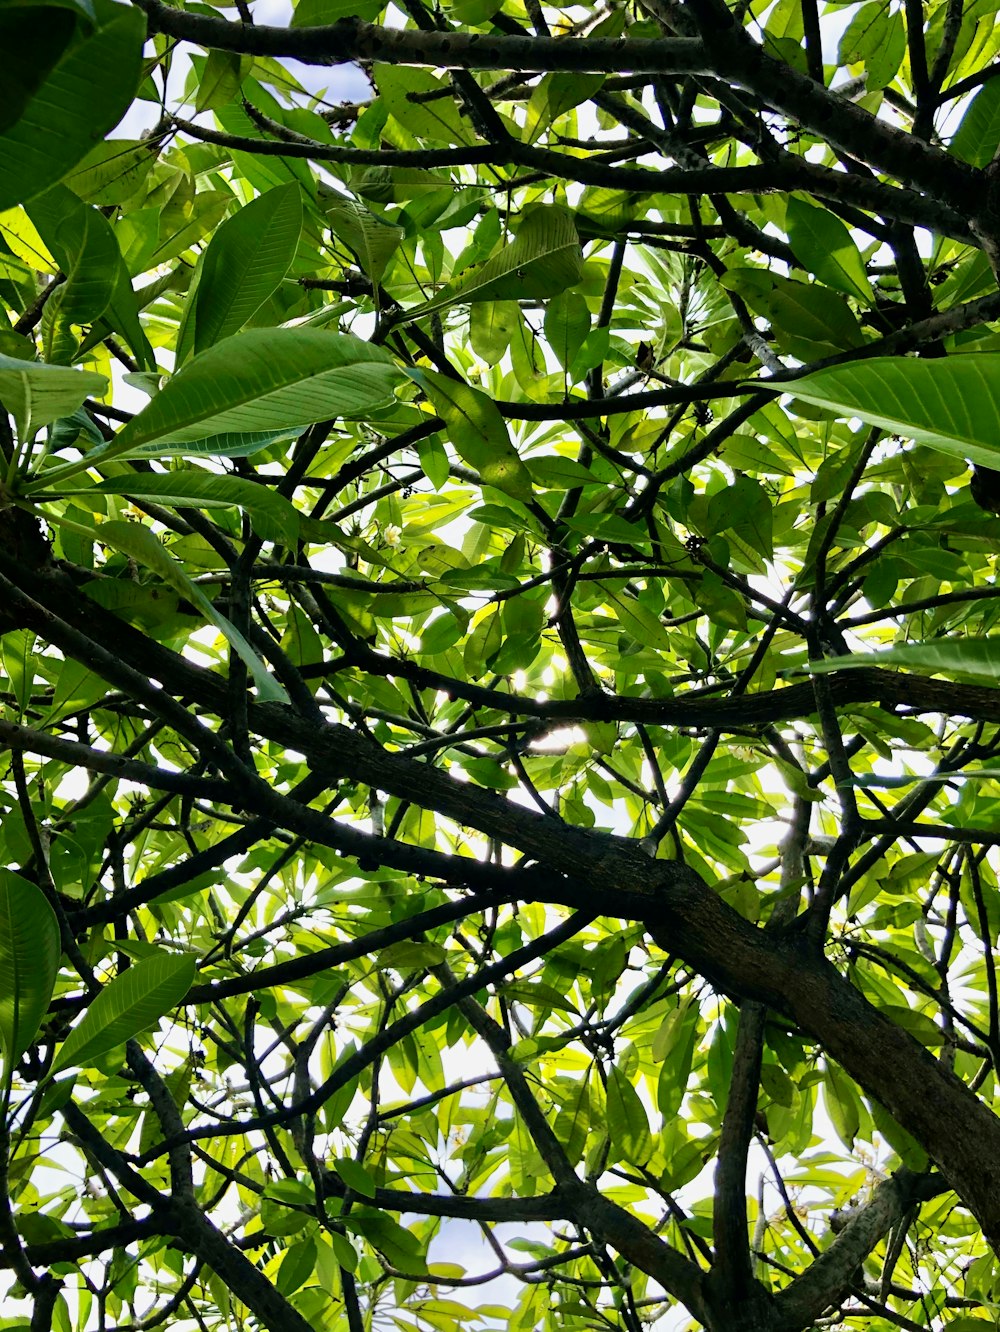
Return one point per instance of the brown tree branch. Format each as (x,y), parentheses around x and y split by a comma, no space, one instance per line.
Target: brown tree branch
(350,39)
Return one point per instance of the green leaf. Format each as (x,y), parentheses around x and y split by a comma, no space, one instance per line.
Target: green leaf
(555,473)
(355,1176)
(567,323)
(438,119)
(113,171)
(978,136)
(824,246)
(219,82)
(127,1006)
(676,1048)
(274,517)
(745,510)
(384,184)
(285,1206)
(36,394)
(400,1246)
(372,240)
(975,657)
(492,324)
(122,316)
(544,259)
(842,1103)
(82,242)
(245,262)
(555,94)
(141,545)
(778,1085)
(478,432)
(261,172)
(572,1123)
(637,619)
(903,1143)
(297,1266)
(264,379)
(317,13)
(628,1125)
(810,320)
(33,59)
(951,403)
(29,962)
(433,460)
(82,98)
(875,37)
(344,1250)
(232,444)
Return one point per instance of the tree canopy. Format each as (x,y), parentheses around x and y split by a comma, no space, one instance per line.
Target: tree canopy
(500,727)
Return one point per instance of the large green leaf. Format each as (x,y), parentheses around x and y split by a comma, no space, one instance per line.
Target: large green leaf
(975,657)
(113,171)
(628,1123)
(231,444)
(35,58)
(437,118)
(36,393)
(492,324)
(245,262)
(824,246)
(951,403)
(637,619)
(219,78)
(29,962)
(263,379)
(810,320)
(478,432)
(83,96)
(978,135)
(875,35)
(543,260)
(80,238)
(122,315)
(842,1103)
(273,516)
(126,1007)
(554,95)
(140,544)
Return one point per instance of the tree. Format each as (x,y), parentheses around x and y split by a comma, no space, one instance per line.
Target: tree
(499,715)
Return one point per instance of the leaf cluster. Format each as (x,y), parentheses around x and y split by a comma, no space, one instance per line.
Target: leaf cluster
(499,726)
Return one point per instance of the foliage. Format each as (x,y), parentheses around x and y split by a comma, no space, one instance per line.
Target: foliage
(453,876)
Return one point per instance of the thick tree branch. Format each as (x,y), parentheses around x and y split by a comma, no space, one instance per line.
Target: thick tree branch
(830,1278)
(350,39)
(732,1280)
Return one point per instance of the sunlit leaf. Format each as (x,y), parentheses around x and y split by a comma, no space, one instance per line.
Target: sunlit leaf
(974,657)
(272,515)
(140,544)
(29,961)
(264,379)
(952,403)
(37,394)
(478,432)
(127,1006)
(245,261)
(543,260)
